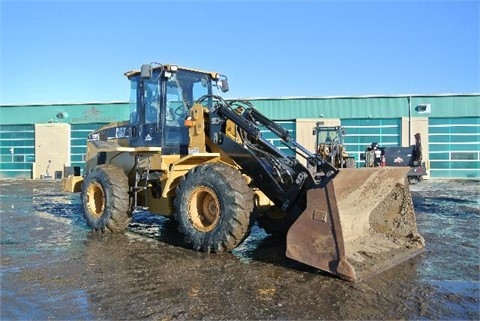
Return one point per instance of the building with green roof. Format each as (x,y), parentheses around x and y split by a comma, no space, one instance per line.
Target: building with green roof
(41,140)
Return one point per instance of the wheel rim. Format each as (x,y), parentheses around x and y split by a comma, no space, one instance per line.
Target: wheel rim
(204,209)
(95,199)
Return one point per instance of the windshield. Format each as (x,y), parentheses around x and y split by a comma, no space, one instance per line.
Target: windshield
(185,87)
(328,136)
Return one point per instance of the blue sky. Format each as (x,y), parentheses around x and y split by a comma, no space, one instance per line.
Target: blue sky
(77,51)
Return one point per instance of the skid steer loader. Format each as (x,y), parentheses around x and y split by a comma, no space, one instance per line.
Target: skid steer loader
(189,154)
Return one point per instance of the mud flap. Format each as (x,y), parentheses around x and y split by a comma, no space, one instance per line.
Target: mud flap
(316,237)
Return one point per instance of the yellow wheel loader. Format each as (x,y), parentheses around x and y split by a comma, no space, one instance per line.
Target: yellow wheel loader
(189,154)
(329,145)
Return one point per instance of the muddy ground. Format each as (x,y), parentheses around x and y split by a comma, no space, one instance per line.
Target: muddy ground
(53,267)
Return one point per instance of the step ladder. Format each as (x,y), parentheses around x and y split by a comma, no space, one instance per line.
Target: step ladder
(140,175)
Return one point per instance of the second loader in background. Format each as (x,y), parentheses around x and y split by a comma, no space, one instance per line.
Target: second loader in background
(330,146)
(188,154)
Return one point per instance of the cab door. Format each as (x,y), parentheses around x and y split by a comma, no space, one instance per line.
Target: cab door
(176,135)
(145,121)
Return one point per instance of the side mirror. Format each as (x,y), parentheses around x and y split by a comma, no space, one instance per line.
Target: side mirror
(146,72)
(224,84)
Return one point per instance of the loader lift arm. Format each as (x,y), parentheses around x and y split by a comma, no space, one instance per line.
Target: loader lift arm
(317,235)
(308,199)
(280,177)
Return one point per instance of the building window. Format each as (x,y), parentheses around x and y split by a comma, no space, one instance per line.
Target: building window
(19,159)
(463,156)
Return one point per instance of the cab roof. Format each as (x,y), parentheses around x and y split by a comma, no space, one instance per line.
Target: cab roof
(133,73)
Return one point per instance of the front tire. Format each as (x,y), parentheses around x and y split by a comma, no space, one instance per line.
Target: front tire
(275,221)
(213,207)
(105,199)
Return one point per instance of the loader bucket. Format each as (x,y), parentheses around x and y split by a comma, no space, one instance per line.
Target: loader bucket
(360,224)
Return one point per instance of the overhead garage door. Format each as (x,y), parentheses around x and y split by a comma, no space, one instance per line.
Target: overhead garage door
(360,133)
(454,145)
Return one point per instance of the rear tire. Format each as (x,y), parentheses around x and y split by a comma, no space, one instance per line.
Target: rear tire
(213,207)
(105,199)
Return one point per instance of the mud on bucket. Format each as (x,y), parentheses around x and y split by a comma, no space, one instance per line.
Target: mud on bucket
(360,224)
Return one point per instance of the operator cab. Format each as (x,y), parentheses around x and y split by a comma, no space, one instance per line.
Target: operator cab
(160,101)
(328,135)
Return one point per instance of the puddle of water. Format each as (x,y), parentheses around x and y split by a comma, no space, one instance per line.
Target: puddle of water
(38,222)
(460,300)
(244,252)
(448,216)
(37,304)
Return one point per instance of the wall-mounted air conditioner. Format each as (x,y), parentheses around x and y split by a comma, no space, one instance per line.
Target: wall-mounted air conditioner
(424,108)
